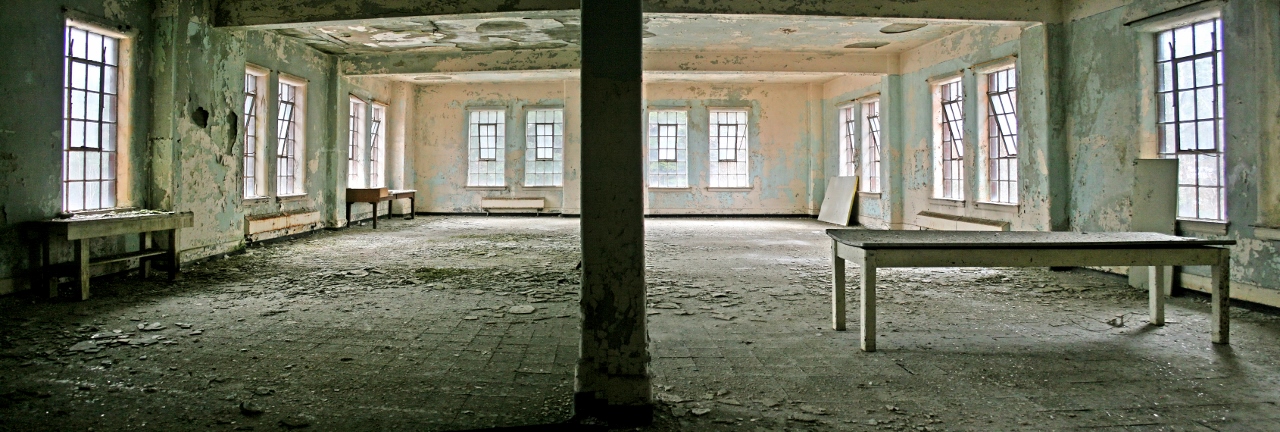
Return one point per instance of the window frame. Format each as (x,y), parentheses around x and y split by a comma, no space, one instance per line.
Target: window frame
(679,149)
(496,164)
(377,145)
(544,171)
(945,138)
(112,119)
(357,142)
(1192,181)
(739,162)
(253,155)
(990,156)
(847,124)
(297,123)
(872,136)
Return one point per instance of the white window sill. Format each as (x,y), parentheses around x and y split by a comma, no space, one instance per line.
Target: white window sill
(869,195)
(255,200)
(103,211)
(488,188)
(1266,233)
(1202,227)
(731,189)
(543,187)
(293,197)
(670,189)
(996,206)
(946,202)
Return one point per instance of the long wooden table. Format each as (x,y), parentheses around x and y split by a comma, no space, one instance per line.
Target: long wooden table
(80,230)
(872,249)
(376,195)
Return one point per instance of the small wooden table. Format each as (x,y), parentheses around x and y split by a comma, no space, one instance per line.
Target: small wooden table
(80,230)
(377,195)
(873,249)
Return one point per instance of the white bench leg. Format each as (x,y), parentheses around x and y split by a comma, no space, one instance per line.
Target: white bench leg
(1155,291)
(837,289)
(868,302)
(1222,298)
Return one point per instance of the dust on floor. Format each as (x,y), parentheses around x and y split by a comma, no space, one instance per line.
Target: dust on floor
(446,323)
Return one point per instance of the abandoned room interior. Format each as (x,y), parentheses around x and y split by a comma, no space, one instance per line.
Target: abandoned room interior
(433,215)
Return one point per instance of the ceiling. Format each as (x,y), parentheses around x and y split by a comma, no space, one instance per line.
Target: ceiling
(562,29)
(651,76)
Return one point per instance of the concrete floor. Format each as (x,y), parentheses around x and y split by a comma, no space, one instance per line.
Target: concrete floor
(425,325)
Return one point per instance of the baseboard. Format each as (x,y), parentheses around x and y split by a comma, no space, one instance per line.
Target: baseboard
(1239,290)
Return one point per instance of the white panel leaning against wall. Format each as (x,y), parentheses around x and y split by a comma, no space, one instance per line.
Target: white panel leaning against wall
(544,147)
(91,136)
(668,149)
(486,148)
(728,153)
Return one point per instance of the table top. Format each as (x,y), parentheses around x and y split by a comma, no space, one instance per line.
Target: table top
(897,239)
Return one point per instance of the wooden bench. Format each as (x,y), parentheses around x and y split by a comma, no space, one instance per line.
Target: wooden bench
(507,204)
(376,195)
(872,249)
(80,230)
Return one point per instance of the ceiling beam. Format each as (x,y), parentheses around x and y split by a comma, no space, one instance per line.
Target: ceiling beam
(654,61)
(287,13)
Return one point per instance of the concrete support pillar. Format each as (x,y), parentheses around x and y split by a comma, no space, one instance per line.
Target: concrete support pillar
(612,376)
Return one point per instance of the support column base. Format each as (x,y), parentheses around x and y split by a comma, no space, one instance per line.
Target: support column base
(587,407)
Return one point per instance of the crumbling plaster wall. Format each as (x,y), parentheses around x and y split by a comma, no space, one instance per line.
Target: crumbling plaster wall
(440,142)
(1041,191)
(31,138)
(778,140)
(1109,108)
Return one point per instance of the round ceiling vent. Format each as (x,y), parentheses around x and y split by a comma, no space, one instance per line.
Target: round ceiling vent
(901,28)
(867,45)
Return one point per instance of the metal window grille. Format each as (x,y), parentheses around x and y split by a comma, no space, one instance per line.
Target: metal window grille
(89,120)
(952,143)
(668,149)
(355,144)
(486,143)
(250,159)
(1002,136)
(287,142)
(544,142)
(377,146)
(1190,94)
(871,147)
(729,149)
(848,131)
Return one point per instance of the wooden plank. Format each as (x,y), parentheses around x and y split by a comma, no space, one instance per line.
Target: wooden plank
(877,239)
(127,256)
(837,204)
(72,229)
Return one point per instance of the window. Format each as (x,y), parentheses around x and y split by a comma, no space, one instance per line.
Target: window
(486,143)
(871,146)
(90,92)
(289,139)
(668,149)
(1189,90)
(949,174)
(544,154)
(355,144)
(729,149)
(848,131)
(377,145)
(252,166)
(1002,136)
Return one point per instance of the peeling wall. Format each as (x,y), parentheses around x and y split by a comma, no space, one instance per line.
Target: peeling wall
(1108,79)
(31,136)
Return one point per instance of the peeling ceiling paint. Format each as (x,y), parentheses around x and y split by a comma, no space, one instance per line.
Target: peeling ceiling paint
(562,29)
(652,76)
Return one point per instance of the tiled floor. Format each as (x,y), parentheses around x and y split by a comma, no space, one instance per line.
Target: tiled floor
(346,331)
